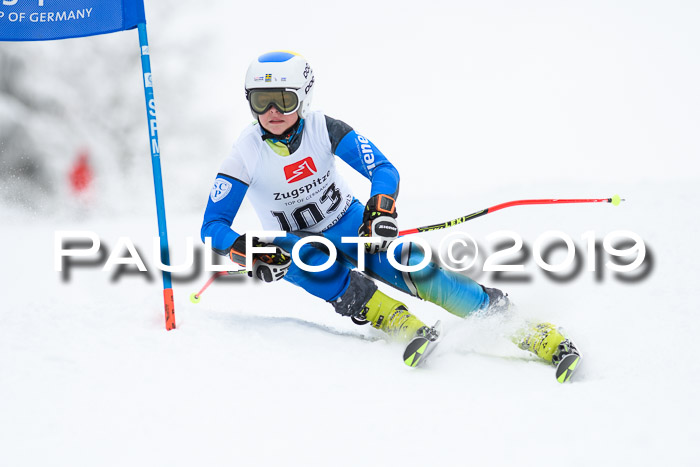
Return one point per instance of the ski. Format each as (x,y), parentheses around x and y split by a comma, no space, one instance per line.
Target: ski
(417,350)
(567,366)
(567,358)
(421,346)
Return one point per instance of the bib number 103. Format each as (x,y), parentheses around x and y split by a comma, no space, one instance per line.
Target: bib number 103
(312,213)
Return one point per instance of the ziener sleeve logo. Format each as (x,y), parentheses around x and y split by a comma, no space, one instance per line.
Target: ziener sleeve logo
(300,170)
(221,188)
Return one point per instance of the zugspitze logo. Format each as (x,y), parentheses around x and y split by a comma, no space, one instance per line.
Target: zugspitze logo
(300,170)
(220,189)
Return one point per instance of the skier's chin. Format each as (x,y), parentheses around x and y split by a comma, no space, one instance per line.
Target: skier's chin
(278,128)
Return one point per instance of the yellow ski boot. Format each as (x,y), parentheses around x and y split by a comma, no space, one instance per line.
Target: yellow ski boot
(547,342)
(541,339)
(391,316)
(364,303)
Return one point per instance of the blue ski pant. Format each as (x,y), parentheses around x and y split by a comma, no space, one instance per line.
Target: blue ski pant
(454,292)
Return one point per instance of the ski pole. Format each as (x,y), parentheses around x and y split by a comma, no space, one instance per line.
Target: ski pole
(615,200)
(197,296)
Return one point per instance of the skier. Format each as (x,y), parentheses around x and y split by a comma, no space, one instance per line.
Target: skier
(285,163)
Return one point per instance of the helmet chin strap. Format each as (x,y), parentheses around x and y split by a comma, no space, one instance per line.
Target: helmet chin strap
(287,136)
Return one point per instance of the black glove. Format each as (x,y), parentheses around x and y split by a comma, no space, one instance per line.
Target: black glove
(379,221)
(267,267)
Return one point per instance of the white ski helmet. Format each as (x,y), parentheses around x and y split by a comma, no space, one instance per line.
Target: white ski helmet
(282,79)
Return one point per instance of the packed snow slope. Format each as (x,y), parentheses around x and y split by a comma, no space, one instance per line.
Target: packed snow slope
(476,104)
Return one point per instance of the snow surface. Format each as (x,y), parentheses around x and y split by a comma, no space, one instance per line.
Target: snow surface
(476,103)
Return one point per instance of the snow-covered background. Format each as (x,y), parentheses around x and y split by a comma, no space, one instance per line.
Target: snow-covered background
(476,103)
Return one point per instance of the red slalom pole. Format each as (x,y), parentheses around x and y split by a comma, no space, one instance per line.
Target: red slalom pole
(615,200)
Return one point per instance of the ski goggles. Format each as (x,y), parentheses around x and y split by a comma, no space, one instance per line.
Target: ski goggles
(285,100)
